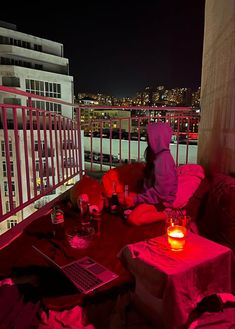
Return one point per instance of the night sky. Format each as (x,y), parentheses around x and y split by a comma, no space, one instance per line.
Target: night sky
(119,48)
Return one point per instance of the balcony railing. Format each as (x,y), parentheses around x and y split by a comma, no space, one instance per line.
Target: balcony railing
(50,152)
(115,140)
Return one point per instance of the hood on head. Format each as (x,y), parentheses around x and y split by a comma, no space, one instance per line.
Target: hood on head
(159,136)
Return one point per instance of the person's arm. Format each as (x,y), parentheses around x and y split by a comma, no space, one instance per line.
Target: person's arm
(127,201)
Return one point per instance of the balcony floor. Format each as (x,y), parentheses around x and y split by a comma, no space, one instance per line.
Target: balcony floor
(34,296)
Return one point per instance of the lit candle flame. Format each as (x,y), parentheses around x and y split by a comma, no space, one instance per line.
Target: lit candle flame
(176,234)
(176,237)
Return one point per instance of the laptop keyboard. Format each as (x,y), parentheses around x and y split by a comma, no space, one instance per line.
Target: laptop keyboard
(81,276)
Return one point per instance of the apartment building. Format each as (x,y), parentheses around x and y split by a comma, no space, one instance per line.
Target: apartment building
(34,65)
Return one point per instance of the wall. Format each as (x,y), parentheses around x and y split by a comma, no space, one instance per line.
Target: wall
(216,149)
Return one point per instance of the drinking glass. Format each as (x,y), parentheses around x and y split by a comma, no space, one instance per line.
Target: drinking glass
(185,221)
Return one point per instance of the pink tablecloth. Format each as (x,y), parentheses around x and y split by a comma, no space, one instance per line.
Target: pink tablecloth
(179,279)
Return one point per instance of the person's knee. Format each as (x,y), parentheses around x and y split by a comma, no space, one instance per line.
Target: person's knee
(145,214)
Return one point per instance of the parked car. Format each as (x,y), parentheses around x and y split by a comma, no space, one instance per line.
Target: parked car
(97,158)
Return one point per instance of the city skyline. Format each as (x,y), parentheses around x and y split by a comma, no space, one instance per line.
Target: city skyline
(159,96)
(120,51)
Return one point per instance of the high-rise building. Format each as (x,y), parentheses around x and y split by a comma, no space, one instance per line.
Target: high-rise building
(34,65)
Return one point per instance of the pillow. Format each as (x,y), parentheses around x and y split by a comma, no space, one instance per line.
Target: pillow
(90,187)
(128,174)
(189,179)
(191,169)
(196,204)
(218,220)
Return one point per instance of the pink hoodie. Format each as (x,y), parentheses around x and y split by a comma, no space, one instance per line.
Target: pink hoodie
(162,188)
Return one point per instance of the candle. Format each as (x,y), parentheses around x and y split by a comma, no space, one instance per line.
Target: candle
(176,237)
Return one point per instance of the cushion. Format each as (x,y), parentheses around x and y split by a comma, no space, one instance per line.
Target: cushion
(218,220)
(90,187)
(189,179)
(128,174)
(196,204)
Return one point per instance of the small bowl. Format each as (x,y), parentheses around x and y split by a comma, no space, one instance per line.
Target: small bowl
(82,238)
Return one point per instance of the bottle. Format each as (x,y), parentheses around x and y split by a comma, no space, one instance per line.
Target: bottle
(96,220)
(126,192)
(57,219)
(84,206)
(114,203)
(125,210)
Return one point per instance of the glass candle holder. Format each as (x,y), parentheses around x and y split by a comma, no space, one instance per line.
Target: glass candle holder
(176,237)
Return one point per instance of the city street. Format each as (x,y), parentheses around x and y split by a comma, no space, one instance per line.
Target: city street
(133,150)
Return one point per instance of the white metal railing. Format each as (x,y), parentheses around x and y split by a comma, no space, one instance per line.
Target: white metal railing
(42,152)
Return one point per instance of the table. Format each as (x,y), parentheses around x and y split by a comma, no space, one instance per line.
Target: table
(169,284)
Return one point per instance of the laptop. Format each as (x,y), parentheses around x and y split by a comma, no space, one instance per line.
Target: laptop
(85,273)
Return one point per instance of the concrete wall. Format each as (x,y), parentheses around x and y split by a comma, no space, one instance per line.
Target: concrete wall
(216,149)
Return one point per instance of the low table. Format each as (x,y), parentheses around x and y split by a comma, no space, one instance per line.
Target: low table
(169,284)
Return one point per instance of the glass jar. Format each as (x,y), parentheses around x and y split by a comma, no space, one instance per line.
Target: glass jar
(57,219)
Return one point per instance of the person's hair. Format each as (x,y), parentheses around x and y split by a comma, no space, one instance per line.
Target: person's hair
(149,158)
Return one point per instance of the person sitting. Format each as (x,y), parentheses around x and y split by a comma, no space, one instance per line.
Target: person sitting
(160,179)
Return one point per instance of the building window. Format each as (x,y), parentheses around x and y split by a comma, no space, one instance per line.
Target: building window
(4,169)
(11,81)
(6,188)
(15,42)
(53,107)
(37,47)
(38,66)
(5,61)
(53,90)
(38,105)
(11,61)
(3,148)
(47,89)
(36,146)
(8,206)
(57,108)
(4,40)
(42,88)
(48,106)
(37,165)
(12,101)
(11,223)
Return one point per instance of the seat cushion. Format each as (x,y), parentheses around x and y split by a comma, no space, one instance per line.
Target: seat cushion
(128,174)
(218,219)
(189,179)
(91,187)
(196,203)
